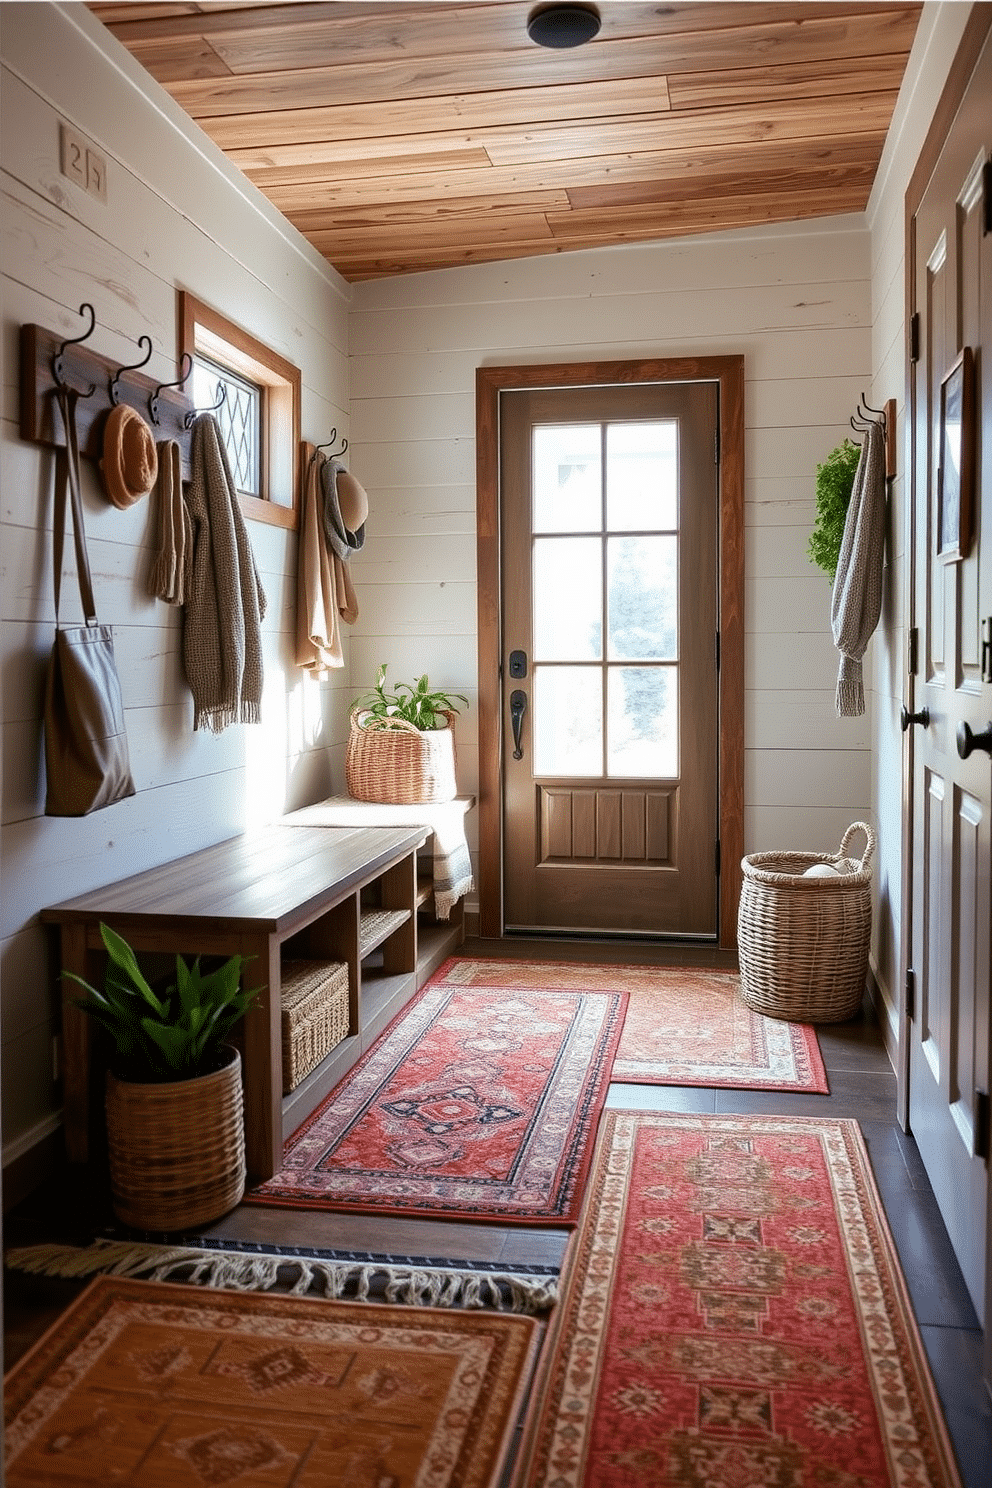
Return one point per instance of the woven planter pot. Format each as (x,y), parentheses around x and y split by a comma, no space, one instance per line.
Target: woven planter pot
(803,942)
(388,760)
(177,1151)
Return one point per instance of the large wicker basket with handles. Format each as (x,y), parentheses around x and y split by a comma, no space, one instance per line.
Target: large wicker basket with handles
(388,760)
(803,941)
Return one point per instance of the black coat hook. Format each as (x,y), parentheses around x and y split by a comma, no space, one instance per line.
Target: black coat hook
(115,391)
(187,362)
(194,413)
(58,361)
(327,444)
(865,409)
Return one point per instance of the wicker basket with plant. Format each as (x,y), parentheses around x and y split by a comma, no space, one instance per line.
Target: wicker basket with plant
(401,744)
(174,1101)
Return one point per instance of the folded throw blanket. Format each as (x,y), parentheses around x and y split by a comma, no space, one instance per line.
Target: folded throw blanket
(225,602)
(451,859)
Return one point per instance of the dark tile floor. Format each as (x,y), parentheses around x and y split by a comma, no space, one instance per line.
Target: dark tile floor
(862,1086)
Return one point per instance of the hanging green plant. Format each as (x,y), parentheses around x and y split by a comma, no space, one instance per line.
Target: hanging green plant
(834,483)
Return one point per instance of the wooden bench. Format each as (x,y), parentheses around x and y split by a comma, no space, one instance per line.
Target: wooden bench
(316,893)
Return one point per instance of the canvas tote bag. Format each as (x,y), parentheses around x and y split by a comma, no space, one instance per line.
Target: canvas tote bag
(86,755)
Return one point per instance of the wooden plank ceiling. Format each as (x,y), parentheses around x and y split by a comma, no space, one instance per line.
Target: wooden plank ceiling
(400,137)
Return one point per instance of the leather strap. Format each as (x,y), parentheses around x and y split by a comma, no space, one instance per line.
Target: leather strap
(67,479)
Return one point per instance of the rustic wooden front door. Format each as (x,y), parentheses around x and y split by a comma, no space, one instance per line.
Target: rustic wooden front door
(610,619)
(950,775)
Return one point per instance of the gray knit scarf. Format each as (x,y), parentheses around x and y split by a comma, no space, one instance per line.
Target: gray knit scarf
(337,536)
(857,593)
(225,603)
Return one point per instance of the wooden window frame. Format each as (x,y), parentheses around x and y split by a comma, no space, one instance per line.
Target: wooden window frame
(728,373)
(205,331)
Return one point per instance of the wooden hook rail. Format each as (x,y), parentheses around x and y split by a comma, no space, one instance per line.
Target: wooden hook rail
(82,368)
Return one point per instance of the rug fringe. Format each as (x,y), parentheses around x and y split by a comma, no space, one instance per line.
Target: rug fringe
(503,1291)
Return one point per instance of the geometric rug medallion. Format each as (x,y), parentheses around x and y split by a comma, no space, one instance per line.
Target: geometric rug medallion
(733,1313)
(684,1025)
(144,1383)
(476,1103)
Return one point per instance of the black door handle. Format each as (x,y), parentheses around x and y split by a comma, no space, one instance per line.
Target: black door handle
(907,718)
(967,741)
(518,707)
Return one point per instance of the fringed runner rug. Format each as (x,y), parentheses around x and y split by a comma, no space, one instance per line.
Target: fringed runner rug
(478,1102)
(733,1313)
(299,1271)
(683,1026)
(143,1383)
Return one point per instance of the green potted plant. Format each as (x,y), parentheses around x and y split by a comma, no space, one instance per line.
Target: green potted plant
(401,745)
(174,1100)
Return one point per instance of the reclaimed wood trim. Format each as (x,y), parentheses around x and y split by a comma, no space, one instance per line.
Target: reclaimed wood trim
(279,414)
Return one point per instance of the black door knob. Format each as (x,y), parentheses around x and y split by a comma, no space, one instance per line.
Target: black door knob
(907,718)
(967,741)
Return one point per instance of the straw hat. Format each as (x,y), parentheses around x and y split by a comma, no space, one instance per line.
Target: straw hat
(130,461)
(353,503)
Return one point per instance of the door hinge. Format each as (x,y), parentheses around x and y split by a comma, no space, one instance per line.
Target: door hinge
(987,198)
(983,1120)
(914,337)
(910,993)
(716,857)
(914,649)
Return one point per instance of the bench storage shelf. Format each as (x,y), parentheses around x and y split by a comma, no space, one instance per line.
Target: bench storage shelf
(277,895)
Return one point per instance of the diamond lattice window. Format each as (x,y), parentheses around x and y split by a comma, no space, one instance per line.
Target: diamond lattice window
(237,418)
(258,415)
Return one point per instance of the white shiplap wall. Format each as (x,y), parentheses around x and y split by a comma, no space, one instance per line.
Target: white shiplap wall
(795,302)
(177,216)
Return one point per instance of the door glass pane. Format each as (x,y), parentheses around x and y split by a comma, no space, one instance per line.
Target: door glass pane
(642,734)
(568,721)
(643,598)
(568,599)
(567,478)
(642,476)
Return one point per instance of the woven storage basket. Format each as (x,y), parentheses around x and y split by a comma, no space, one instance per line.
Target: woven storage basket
(803,942)
(314,1015)
(388,760)
(176,1150)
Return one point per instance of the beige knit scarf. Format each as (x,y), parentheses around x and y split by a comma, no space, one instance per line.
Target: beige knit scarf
(168,571)
(225,603)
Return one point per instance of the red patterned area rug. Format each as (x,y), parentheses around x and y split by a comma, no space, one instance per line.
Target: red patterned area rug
(139,1382)
(684,1026)
(478,1102)
(733,1314)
